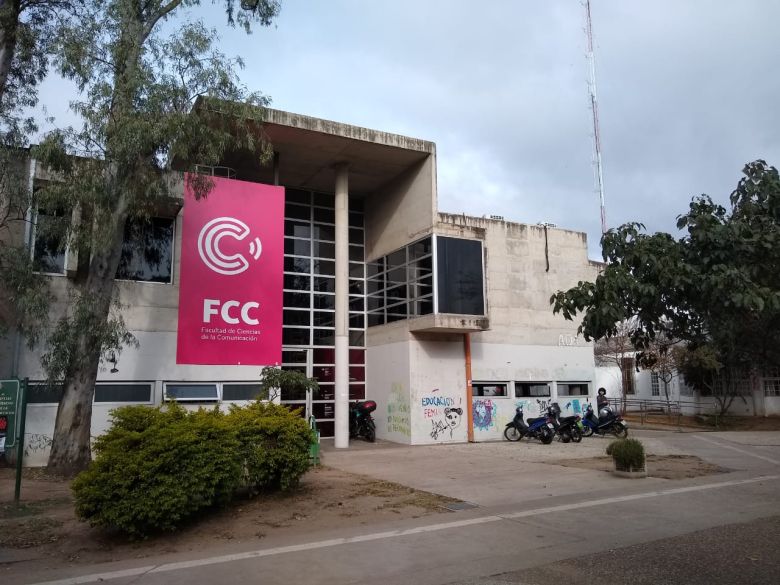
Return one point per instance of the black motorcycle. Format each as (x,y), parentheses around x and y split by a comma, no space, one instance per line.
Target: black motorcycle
(538,428)
(607,423)
(566,427)
(361,423)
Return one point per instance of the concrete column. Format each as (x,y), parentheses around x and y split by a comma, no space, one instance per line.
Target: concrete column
(342,306)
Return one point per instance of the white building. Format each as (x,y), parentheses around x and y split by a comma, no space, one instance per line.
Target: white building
(384,297)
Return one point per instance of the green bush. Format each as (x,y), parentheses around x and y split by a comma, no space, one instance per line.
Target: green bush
(274,445)
(158,467)
(628,454)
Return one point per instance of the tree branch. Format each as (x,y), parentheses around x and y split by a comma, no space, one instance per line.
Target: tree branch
(164,11)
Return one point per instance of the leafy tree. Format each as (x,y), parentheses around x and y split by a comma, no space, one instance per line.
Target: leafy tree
(150,94)
(717,286)
(618,351)
(274,381)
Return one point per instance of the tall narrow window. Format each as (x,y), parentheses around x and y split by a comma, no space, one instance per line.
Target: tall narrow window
(49,241)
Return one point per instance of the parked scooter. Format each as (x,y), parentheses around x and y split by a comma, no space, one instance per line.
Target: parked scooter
(566,427)
(361,423)
(538,428)
(607,423)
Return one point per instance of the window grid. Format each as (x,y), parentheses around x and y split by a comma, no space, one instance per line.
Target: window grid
(655,386)
(309,298)
(400,285)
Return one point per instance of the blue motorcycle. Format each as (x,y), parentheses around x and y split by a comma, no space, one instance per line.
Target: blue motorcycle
(538,428)
(608,423)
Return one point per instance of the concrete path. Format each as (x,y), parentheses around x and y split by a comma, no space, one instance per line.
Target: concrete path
(529,515)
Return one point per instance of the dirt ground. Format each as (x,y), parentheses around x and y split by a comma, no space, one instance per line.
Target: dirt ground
(44,526)
(696,423)
(661,466)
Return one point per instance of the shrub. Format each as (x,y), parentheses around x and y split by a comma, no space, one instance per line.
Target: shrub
(158,467)
(274,444)
(628,454)
(155,468)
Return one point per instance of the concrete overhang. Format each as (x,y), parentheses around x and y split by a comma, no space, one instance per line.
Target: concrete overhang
(449,323)
(308,149)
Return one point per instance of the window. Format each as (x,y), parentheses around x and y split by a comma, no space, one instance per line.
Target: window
(655,386)
(400,285)
(573,389)
(531,389)
(124,392)
(43,393)
(147,250)
(627,369)
(49,242)
(244,391)
(771,386)
(459,276)
(488,389)
(191,392)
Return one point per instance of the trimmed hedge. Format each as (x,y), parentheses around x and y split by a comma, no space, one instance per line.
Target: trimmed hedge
(628,454)
(156,468)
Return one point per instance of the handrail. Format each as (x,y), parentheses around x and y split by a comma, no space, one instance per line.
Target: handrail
(661,407)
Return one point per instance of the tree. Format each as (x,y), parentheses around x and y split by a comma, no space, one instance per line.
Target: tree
(618,351)
(716,286)
(148,97)
(26,29)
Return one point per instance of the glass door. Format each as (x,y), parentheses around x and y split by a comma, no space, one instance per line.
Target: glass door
(298,360)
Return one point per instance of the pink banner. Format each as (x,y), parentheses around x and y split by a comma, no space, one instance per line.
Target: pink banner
(230,288)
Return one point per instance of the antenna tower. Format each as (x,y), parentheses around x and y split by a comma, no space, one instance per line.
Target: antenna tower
(598,176)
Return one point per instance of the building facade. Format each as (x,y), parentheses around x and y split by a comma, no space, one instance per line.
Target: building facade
(383,297)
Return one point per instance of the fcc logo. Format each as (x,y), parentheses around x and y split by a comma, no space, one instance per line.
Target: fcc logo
(208,245)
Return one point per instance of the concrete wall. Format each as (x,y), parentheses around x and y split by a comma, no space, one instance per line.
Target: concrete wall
(438,389)
(387,383)
(402,211)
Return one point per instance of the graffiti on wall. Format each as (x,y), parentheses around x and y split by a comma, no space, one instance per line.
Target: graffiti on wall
(444,412)
(398,420)
(484,413)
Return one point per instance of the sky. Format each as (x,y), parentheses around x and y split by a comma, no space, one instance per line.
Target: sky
(688,93)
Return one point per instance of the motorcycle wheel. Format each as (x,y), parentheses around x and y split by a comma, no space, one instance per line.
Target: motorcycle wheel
(511,433)
(370,434)
(587,431)
(576,435)
(545,436)
(620,431)
(565,437)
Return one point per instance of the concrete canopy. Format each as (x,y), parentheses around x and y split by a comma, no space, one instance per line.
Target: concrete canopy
(307,149)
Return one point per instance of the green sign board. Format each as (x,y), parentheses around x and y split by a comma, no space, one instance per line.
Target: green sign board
(10,395)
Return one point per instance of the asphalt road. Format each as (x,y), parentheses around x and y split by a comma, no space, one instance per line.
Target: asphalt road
(737,554)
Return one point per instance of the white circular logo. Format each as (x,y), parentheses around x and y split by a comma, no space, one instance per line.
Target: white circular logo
(213,257)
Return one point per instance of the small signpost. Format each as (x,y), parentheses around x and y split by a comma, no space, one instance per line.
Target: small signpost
(13,412)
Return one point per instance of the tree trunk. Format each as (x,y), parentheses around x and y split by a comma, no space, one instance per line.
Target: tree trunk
(9,25)
(71,449)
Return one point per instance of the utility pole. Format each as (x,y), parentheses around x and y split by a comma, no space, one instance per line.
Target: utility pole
(594,107)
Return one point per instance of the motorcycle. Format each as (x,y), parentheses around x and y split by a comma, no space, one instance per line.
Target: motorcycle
(607,423)
(566,427)
(361,423)
(538,428)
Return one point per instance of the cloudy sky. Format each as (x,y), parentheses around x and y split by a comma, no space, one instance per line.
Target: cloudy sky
(688,92)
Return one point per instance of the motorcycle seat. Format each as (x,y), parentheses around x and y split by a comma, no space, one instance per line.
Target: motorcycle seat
(533,420)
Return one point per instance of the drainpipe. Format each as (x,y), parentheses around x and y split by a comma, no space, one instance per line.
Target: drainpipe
(469,389)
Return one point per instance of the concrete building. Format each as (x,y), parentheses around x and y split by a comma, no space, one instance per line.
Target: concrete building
(384,297)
